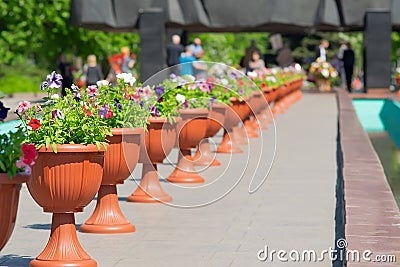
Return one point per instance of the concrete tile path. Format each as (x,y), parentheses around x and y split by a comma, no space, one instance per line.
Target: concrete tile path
(293,210)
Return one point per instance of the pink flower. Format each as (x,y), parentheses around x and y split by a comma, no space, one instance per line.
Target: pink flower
(92,90)
(192,86)
(19,163)
(204,87)
(23,106)
(147,92)
(27,171)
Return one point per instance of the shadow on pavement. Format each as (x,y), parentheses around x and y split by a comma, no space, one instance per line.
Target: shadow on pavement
(15,260)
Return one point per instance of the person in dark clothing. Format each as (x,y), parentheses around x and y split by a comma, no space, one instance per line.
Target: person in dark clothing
(248,55)
(92,71)
(174,50)
(348,64)
(66,72)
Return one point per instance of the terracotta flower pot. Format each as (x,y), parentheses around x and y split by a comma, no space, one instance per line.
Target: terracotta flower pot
(120,159)
(323,84)
(62,184)
(9,198)
(244,113)
(216,117)
(157,143)
(228,144)
(191,130)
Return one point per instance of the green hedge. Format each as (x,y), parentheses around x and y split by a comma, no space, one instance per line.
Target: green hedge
(15,79)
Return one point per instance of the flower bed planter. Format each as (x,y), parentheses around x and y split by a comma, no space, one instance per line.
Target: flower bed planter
(158,142)
(228,144)
(120,159)
(64,183)
(191,130)
(9,198)
(204,156)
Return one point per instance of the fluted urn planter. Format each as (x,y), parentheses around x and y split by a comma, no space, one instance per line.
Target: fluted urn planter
(257,104)
(157,143)
(64,183)
(229,144)
(204,156)
(191,130)
(244,112)
(120,159)
(9,198)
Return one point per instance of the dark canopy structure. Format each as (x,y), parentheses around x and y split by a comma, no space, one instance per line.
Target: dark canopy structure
(232,15)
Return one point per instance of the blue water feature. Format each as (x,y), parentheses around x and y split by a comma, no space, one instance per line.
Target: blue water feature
(7,126)
(368,112)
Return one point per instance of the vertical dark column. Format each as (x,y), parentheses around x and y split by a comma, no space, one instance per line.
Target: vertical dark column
(377,49)
(152,42)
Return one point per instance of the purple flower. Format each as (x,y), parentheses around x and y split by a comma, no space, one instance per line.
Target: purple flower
(173,77)
(57,114)
(159,90)
(77,96)
(241,91)
(154,111)
(118,105)
(54,80)
(186,103)
(212,100)
(3,111)
(44,85)
(103,111)
(141,103)
(74,88)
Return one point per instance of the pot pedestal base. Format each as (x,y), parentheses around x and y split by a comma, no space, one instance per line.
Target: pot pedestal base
(228,145)
(204,156)
(63,248)
(107,218)
(149,190)
(240,135)
(250,128)
(185,171)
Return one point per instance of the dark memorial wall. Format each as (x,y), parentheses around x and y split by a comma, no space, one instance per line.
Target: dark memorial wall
(377,49)
(152,42)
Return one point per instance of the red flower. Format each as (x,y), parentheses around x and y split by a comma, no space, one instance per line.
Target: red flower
(88,112)
(241,83)
(263,86)
(109,114)
(35,124)
(29,152)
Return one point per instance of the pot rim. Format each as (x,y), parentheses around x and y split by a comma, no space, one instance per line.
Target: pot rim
(163,120)
(121,131)
(65,148)
(17,179)
(191,111)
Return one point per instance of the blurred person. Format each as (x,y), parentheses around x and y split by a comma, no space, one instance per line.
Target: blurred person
(187,59)
(285,57)
(174,50)
(66,72)
(343,47)
(92,71)
(321,51)
(199,66)
(196,46)
(256,64)
(127,61)
(248,55)
(348,64)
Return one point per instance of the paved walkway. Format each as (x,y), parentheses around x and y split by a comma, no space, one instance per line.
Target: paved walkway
(293,209)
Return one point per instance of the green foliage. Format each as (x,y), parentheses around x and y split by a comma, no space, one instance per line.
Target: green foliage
(10,151)
(20,78)
(40,30)
(229,48)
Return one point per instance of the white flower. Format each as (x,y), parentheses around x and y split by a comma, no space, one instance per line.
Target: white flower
(334,74)
(252,74)
(180,98)
(55,96)
(127,77)
(325,73)
(102,83)
(224,81)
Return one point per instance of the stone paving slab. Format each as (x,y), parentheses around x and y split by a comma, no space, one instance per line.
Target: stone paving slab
(293,209)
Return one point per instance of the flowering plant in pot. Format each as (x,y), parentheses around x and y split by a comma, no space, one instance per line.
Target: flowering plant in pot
(323,72)
(16,160)
(70,136)
(123,111)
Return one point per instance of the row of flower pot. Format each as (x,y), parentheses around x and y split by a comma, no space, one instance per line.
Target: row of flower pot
(65,177)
